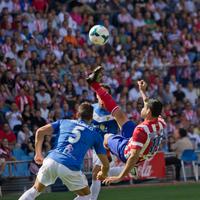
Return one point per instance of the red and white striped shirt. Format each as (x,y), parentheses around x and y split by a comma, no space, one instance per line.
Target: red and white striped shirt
(147,136)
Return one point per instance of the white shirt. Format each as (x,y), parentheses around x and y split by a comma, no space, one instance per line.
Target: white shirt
(41,98)
(44,113)
(13,120)
(63,32)
(133,94)
(21,137)
(190,95)
(138,23)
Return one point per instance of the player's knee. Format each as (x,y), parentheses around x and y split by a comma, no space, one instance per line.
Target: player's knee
(38,186)
(95,171)
(105,142)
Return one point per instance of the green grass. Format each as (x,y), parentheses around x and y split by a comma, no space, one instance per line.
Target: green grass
(164,192)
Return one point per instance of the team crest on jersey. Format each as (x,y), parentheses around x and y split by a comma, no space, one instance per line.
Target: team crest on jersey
(102,127)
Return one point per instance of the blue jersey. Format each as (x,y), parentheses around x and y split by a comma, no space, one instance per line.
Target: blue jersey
(104,121)
(73,139)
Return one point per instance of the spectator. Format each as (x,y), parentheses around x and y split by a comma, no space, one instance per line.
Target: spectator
(7,133)
(38,120)
(191,93)
(23,99)
(65,111)
(181,142)
(14,118)
(44,110)
(42,95)
(179,94)
(23,137)
(40,5)
(5,155)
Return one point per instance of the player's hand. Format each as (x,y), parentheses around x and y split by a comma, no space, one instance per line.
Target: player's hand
(142,85)
(101,176)
(112,179)
(38,159)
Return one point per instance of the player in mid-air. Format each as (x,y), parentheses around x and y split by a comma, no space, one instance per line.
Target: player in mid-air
(132,146)
(73,139)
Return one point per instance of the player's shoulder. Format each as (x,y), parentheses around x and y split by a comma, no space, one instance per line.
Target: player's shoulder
(162,121)
(96,106)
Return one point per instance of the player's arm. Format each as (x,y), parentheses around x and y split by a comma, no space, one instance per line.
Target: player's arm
(105,166)
(142,88)
(39,138)
(130,163)
(101,153)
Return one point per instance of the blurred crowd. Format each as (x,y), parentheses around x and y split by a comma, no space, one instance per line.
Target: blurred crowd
(45,55)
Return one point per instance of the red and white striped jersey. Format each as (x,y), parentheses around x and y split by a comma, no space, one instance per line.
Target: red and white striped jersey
(147,136)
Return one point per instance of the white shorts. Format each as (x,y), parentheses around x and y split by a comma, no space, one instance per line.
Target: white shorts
(96,160)
(51,170)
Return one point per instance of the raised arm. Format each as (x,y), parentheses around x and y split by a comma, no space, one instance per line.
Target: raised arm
(39,138)
(142,88)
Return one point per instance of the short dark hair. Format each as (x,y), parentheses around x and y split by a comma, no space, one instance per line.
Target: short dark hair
(182,132)
(106,87)
(85,111)
(155,106)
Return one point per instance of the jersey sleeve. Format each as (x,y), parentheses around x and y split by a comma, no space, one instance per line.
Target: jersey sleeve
(98,145)
(138,139)
(55,125)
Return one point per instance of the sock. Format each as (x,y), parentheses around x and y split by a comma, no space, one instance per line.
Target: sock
(95,189)
(107,99)
(85,197)
(30,194)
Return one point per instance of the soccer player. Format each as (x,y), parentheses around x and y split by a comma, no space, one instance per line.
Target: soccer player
(73,138)
(106,123)
(146,137)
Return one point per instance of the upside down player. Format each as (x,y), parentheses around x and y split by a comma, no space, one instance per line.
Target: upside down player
(132,146)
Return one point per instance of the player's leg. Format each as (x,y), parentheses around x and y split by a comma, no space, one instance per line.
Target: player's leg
(116,145)
(33,192)
(96,184)
(75,181)
(106,98)
(83,194)
(46,176)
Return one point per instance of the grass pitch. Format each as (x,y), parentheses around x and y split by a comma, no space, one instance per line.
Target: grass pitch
(163,192)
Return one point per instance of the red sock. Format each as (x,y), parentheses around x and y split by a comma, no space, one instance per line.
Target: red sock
(107,99)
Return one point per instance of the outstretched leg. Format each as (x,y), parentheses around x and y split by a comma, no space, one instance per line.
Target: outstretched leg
(106,98)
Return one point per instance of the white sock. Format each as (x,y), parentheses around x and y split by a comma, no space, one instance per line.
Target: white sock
(30,194)
(85,197)
(95,189)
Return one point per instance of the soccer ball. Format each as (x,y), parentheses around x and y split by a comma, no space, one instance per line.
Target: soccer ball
(98,35)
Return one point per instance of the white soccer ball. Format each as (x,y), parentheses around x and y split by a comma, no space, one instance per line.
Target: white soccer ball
(99,35)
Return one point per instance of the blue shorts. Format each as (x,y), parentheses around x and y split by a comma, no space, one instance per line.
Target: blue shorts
(117,143)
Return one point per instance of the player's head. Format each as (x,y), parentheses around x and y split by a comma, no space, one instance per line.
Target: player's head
(152,109)
(108,89)
(85,111)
